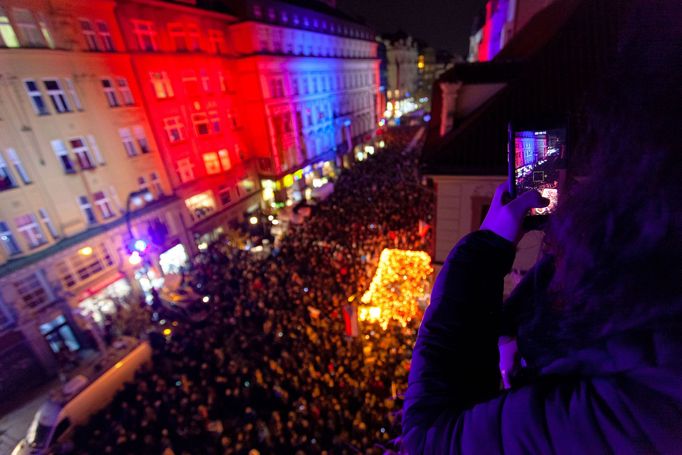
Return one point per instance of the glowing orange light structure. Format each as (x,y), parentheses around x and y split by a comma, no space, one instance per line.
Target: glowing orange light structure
(400,282)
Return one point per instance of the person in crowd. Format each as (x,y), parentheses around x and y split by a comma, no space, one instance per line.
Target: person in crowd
(599,320)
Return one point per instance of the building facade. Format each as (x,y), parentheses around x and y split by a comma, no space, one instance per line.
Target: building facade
(402,71)
(74,144)
(147,125)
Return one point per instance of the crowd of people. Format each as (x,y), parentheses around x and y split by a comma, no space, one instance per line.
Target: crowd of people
(273,369)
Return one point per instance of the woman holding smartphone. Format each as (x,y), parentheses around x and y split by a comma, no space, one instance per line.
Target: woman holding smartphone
(601,330)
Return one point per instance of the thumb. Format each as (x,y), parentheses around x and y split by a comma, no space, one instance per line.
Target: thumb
(528,200)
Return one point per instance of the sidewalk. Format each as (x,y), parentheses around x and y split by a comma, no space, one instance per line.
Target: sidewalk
(15,422)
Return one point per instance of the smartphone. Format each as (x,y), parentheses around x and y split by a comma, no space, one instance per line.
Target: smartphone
(536,157)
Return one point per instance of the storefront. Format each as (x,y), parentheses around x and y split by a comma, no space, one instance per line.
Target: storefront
(105,301)
(59,335)
(299,185)
(173,259)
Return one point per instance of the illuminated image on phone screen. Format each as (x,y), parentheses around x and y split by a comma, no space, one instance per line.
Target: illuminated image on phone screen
(536,161)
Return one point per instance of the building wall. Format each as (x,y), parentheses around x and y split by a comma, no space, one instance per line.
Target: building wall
(51,87)
(402,57)
(461,204)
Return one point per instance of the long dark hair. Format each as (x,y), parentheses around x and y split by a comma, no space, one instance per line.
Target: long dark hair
(617,235)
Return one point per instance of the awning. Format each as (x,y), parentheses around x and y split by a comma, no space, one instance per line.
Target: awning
(97,287)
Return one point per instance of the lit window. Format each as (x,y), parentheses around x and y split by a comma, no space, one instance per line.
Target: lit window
(127,140)
(141,139)
(28,227)
(201,204)
(212,163)
(95,149)
(224,194)
(193,37)
(200,122)
(162,84)
(185,170)
(57,95)
(124,90)
(71,88)
(145,35)
(6,179)
(7,240)
(102,203)
(110,92)
(36,97)
(80,149)
(18,166)
(105,36)
(90,36)
(45,30)
(86,208)
(224,156)
(216,40)
(28,29)
(174,129)
(7,36)
(156,183)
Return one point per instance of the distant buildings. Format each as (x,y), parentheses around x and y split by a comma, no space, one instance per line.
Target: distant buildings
(175,118)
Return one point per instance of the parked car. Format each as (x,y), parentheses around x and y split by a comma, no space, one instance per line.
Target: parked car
(82,396)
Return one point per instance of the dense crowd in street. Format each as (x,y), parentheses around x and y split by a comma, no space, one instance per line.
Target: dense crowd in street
(272,369)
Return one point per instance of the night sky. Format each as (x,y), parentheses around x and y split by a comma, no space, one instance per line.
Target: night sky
(444,24)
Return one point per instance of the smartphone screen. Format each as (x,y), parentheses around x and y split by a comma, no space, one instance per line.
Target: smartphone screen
(537,157)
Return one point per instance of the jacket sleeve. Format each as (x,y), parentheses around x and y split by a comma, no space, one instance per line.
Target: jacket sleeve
(455,358)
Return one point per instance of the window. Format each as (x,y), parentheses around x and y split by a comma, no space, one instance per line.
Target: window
(257,11)
(32,291)
(18,166)
(57,95)
(28,28)
(124,90)
(7,240)
(212,163)
(74,94)
(142,184)
(177,35)
(6,179)
(205,81)
(36,97)
(174,129)
(224,156)
(105,36)
(110,92)
(232,120)
(62,155)
(102,203)
(294,86)
(185,172)
(141,139)
(64,273)
(200,122)
(145,35)
(114,197)
(215,121)
(86,266)
(44,29)
(224,194)
(128,143)
(106,256)
(86,208)
(216,42)
(201,204)
(7,36)
(95,149)
(162,84)
(90,36)
(80,149)
(47,222)
(193,37)
(156,183)
(190,82)
(28,227)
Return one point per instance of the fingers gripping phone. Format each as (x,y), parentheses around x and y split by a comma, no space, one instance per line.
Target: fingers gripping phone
(536,156)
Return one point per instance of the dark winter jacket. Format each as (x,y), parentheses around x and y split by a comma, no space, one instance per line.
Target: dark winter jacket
(619,394)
